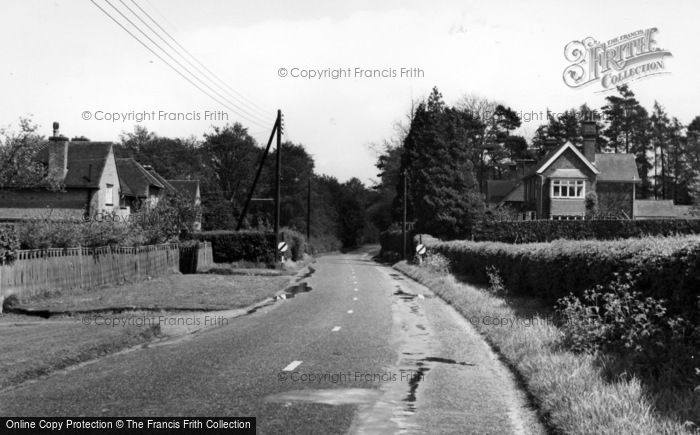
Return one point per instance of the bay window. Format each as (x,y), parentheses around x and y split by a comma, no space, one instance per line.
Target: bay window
(565,189)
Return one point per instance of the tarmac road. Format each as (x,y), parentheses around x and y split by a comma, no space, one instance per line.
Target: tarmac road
(366,350)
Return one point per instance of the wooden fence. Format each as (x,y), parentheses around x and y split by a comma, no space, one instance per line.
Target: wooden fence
(36,271)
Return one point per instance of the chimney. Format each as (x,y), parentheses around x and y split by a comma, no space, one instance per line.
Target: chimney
(589,131)
(58,155)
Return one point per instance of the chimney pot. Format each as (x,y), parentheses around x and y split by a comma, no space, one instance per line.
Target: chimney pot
(58,158)
(589,131)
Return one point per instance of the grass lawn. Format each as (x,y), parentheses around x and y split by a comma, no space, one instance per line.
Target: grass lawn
(570,389)
(33,347)
(200,291)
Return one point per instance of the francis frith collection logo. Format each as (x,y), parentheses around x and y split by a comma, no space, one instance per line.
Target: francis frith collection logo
(625,58)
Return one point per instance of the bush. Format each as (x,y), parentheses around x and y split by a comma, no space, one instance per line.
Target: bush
(230,246)
(44,233)
(392,241)
(325,243)
(9,243)
(436,263)
(549,230)
(637,331)
(296,242)
(255,246)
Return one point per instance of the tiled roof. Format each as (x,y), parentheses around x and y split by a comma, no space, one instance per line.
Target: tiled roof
(517,194)
(612,167)
(186,187)
(616,167)
(660,209)
(136,179)
(161,180)
(496,190)
(86,161)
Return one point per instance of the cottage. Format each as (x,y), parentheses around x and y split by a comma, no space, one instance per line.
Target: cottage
(94,183)
(86,170)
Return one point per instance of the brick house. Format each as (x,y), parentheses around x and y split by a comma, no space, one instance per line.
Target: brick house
(557,185)
(94,183)
(88,173)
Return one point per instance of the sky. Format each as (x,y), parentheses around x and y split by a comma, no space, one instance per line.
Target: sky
(67,61)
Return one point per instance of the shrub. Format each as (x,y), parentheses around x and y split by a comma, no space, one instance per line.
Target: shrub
(296,242)
(9,243)
(636,330)
(496,286)
(436,263)
(44,233)
(254,246)
(230,246)
(324,243)
(392,241)
(549,230)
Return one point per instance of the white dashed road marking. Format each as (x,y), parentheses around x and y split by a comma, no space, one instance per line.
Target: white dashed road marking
(292,366)
(354,299)
(350,311)
(336,329)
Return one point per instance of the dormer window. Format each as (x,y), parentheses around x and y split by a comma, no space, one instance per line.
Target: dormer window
(568,189)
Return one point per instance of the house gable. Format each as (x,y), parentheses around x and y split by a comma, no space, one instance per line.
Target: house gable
(571,154)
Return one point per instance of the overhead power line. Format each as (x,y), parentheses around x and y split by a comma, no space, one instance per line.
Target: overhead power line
(245,114)
(212,74)
(254,120)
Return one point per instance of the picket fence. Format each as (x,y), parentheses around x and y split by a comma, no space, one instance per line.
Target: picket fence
(37,271)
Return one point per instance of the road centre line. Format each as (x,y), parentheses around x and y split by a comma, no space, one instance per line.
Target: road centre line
(292,366)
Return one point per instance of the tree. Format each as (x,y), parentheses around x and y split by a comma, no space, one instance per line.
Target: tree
(438,155)
(621,113)
(230,155)
(628,128)
(660,137)
(19,166)
(485,140)
(132,142)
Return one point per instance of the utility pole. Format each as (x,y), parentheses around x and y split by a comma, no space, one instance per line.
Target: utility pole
(308,209)
(403,227)
(278,175)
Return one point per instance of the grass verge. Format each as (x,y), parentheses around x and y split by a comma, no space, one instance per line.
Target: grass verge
(35,348)
(570,389)
(198,291)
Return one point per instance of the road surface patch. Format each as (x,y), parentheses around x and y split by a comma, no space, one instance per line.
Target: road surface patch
(292,365)
(335,396)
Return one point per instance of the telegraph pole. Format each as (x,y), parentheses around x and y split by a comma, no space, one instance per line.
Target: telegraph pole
(308,209)
(403,226)
(278,175)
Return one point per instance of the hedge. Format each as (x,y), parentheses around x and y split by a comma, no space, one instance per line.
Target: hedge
(549,230)
(664,267)
(255,246)
(9,243)
(392,241)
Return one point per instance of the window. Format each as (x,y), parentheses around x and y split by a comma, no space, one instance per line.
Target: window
(567,217)
(568,189)
(109,195)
